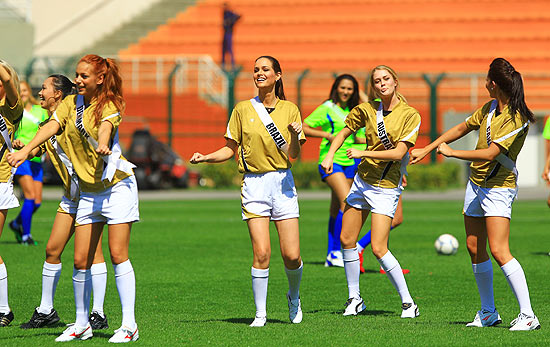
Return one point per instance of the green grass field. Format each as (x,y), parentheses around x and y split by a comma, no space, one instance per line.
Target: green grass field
(192,262)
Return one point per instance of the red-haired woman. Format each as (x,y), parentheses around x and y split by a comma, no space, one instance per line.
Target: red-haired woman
(11,111)
(108,190)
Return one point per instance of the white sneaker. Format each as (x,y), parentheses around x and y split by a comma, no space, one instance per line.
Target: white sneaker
(410,310)
(294,310)
(485,318)
(125,334)
(335,258)
(258,322)
(354,306)
(525,322)
(74,332)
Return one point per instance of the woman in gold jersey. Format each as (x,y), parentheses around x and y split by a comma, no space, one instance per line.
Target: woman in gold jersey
(108,189)
(11,112)
(503,123)
(54,89)
(391,128)
(265,132)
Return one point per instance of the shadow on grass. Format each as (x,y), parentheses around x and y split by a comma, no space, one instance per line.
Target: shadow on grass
(501,326)
(541,253)
(369,313)
(246,321)
(314,263)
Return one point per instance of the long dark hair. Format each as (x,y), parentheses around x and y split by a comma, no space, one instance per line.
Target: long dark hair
(63,84)
(279,90)
(510,82)
(354,98)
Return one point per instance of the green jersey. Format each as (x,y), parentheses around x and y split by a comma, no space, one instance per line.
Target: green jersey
(330,117)
(29,125)
(546,131)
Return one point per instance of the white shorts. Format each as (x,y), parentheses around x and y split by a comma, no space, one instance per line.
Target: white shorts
(378,200)
(488,202)
(271,194)
(67,206)
(7,198)
(115,205)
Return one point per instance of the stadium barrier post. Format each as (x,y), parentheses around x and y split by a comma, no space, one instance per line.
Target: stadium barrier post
(170,101)
(433,84)
(231,77)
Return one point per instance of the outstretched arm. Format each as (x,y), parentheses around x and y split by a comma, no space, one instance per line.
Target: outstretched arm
(449,136)
(394,154)
(9,86)
(334,146)
(486,154)
(221,155)
(44,133)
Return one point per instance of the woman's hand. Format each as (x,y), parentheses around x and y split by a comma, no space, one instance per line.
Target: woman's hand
(326,164)
(354,153)
(197,158)
(17,144)
(444,149)
(103,150)
(295,128)
(417,155)
(17,158)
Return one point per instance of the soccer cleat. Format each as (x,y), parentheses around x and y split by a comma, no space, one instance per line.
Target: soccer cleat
(361,268)
(405,271)
(5,319)
(258,322)
(97,322)
(40,320)
(294,310)
(17,230)
(524,323)
(125,334)
(75,332)
(410,310)
(335,258)
(354,306)
(485,318)
(29,242)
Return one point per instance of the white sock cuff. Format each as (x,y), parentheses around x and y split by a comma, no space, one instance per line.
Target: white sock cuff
(81,275)
(350,254)
(388,262)
(510,267)
(359,247)
(98,269)
(299,269)
(123,268)
(259,272)
(3,271)
(486,266)
(51,270)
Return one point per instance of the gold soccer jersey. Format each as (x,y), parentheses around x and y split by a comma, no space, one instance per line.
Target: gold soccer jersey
(507,133)
(401,124)
(12,116)
(257,151)
(87,164)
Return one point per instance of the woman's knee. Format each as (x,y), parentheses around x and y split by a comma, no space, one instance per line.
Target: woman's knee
(53,253)
(379,250)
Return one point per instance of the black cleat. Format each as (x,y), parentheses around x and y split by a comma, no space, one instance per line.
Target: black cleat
(40,320)
(29,242)
(5,319)
(17,230)
(97,322)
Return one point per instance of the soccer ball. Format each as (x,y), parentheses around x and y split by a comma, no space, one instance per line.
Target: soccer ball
(446,244)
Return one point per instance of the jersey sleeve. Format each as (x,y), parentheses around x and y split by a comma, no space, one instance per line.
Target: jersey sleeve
(509,131)
(546,131)
(356,119)
(410,129)
(296,117)
(318,117)
(474,121)
(15,113)
(61,114)
(234,127)
(112,115)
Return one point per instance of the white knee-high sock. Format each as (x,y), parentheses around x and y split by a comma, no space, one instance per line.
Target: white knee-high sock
(351,267)
(82,284)
(483,272)
(4,306)
(294,279)
(260,278)
(395,275)
(50,277)
(516,279)
(126,286)
(99,283)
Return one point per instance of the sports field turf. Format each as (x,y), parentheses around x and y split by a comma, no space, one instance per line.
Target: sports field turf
(192,261)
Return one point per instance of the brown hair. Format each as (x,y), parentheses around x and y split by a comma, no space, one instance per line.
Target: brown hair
(371,93)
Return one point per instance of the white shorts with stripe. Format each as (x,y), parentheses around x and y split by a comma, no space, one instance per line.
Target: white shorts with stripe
(67,206)
(115,205)
(378,200)
(488,202)
(270,194)
(7,198)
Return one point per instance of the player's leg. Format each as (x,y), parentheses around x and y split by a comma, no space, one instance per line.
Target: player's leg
(339,186)
(6,316)
(258,229)
(24,219)
(498,232)
(98,319)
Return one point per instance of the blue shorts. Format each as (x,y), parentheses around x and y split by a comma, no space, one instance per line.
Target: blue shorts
(349,171)
(357,162)
(30,168)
